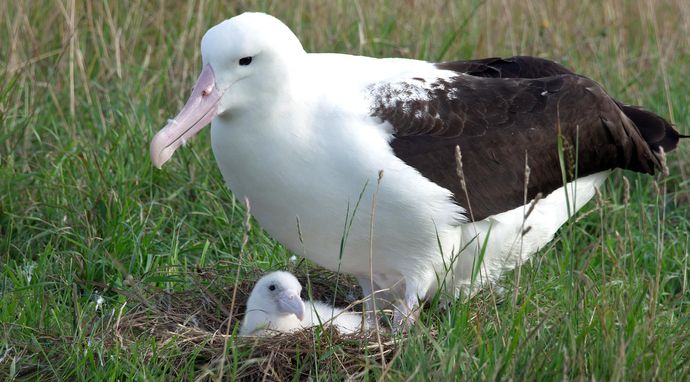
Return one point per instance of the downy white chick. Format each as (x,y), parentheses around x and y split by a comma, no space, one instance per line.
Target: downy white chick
(275,306)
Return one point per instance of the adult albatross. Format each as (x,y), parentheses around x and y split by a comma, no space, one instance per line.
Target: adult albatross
(304,137)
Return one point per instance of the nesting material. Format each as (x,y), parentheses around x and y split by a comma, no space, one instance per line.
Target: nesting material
(193,326)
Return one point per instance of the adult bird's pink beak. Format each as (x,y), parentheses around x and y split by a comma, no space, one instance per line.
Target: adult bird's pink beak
(290,302)
(198,112)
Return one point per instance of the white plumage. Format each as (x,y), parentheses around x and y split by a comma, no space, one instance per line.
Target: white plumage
(294,133)
(274,306)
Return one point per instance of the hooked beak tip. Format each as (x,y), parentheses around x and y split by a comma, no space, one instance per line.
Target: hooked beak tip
(198,111)
(158,150)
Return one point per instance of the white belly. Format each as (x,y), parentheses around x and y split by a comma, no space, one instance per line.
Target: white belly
(328,186)
(315,195)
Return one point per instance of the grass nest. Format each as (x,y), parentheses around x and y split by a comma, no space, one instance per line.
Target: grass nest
(192,326)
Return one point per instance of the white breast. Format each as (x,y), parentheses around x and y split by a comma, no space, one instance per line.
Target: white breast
(316,174)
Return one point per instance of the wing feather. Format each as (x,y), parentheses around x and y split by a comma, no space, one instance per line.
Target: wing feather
(499,111)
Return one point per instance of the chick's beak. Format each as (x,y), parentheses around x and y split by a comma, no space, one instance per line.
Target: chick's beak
(290,302)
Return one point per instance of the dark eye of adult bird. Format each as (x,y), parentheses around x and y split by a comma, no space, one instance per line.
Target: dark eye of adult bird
(244,61)
(271,287)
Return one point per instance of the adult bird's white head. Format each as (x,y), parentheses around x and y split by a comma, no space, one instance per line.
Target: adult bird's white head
(245,59)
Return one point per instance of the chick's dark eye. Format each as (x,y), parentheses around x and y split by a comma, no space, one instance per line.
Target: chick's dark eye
(244,61)
(272,287)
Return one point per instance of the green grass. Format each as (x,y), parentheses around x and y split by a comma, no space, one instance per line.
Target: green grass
(83,214)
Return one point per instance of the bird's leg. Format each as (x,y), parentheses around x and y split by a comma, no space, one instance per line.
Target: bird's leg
(367,292)
(406,312)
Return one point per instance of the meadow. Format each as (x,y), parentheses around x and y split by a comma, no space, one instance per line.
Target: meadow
(111,269)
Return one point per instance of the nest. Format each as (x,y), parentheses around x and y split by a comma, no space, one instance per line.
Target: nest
(200,324)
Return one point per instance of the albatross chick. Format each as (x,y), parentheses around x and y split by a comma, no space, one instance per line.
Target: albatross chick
(275,306)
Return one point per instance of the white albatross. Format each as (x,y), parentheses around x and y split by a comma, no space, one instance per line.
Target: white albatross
(274,305)
(304,135)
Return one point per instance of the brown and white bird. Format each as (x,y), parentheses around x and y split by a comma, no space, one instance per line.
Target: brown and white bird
(304,137)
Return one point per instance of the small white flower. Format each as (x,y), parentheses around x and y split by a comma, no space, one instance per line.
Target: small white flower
(99,301)
(29,270)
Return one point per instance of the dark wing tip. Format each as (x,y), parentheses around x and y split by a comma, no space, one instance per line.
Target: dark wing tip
(655,130)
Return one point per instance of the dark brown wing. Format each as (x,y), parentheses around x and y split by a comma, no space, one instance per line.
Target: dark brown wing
(654,129)
(496,121)
(512,67)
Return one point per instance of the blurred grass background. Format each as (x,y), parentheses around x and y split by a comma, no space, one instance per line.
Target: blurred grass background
(86,222)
